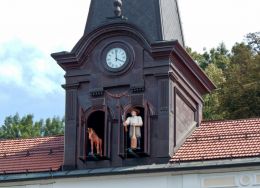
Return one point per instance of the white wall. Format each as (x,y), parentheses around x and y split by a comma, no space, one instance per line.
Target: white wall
(246,179)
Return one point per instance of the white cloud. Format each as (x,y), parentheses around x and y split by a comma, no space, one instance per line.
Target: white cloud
(34,30)
(24,66)
(10,73)
(42,83)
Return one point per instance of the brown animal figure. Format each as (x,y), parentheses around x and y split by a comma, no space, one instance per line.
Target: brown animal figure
(95,141)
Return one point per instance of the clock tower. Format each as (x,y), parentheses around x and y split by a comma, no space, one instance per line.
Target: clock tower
(131,57)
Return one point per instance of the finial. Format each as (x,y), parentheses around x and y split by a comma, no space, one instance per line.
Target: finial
(118,8)
(118,11)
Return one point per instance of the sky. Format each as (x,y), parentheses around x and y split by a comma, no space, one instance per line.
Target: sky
(30,30)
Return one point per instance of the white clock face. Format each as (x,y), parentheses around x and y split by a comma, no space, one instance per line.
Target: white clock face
(116,58)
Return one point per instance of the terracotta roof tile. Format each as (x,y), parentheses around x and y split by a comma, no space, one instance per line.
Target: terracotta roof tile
(31,155)
(211,141)
(221,140)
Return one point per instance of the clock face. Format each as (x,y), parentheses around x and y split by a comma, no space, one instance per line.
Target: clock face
(116,58)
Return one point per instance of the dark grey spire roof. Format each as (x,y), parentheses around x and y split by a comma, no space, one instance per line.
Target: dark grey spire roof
(158,19)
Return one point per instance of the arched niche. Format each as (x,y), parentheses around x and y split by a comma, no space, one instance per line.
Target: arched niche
(124,140)
(99,120)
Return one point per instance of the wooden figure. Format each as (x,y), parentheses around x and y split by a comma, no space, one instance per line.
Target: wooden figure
(95,141)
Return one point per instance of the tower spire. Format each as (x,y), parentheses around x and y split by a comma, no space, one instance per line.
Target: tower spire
(159,20)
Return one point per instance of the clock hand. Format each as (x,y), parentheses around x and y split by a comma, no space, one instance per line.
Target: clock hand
(116,55)
(120,60)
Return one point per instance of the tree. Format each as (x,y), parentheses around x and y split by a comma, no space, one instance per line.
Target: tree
(25,127)
(218,56)
(54,126)
(241,93)
(16,127)
(212,104)
(253,40)
(200,59)
(236,75)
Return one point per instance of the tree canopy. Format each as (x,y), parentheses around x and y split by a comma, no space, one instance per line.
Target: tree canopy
(236,74)
(24,127)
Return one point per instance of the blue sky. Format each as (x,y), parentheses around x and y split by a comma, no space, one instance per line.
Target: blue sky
(31,30)
(29,83)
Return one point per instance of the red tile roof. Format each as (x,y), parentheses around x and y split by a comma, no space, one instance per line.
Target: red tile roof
(31,155)
(211,141)
(221,140)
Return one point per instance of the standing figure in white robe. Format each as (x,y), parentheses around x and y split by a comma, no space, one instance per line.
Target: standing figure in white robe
(135,121)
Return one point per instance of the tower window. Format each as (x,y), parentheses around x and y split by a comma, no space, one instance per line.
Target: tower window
(142,135)
(94,135)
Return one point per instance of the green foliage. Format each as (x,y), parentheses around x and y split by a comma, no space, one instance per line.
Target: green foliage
(253,40)
(241,92)
(212,105)
(237,77)
(218,56)
(25,127)
(200,59)
(54,126)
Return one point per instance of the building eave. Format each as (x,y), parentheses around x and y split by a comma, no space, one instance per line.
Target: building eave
(173,168)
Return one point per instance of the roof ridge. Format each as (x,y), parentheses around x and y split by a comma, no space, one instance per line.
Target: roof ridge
(224,134)
(33,150)
(211,158)
(223,137)
(230,120)
(38,137)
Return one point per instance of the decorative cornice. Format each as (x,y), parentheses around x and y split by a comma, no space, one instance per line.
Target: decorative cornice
(173,76)
(161,75)
(137,88)
(97,92)
(193,68)
(87,43)
(71,86)
(66,59)
(162,49)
